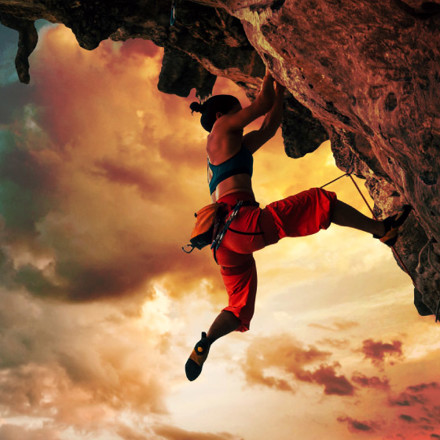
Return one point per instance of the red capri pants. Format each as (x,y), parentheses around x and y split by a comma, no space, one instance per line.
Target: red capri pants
(299,215)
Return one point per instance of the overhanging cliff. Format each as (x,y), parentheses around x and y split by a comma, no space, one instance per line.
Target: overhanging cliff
(364,74)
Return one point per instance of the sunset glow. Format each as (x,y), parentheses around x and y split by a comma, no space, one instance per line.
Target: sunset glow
(100,177)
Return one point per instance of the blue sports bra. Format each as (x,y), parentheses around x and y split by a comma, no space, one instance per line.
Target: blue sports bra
(241,163)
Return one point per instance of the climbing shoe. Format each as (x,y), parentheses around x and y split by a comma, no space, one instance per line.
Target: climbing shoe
(194,364)
(392,225)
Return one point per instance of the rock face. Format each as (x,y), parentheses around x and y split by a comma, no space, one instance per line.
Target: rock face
(364,74)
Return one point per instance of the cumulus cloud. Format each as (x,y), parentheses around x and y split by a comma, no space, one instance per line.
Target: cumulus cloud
(293,362)
(378,351)
(78,365)
(99,187)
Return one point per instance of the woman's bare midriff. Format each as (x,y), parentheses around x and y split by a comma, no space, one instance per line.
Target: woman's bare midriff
(237,183)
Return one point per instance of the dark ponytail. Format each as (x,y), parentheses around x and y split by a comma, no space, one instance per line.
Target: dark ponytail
(210,108)
(196,107)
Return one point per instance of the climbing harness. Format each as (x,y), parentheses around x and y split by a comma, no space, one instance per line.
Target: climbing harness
(208,220)
(219,238)
(227,226)
(208,228)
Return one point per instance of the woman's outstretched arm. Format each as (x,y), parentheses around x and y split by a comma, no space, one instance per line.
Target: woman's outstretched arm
(260,106)
(255,139)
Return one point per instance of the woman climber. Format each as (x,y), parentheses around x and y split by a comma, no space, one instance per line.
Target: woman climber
(230,163)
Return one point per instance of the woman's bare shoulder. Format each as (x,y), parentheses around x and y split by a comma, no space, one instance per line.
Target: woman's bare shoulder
(222,146)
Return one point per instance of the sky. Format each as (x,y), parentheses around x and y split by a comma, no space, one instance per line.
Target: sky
(100,175)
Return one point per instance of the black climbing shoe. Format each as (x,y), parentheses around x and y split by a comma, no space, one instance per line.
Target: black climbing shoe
(392,225)
(194,364)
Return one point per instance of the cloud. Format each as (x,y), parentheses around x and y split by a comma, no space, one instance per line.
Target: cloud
(173,433)
(417,407)
(98,188)
(377,351)
(335,343)
(370,382)
(407,418)
(17,432)
(77,365)
(357,426)
(423,387)
(413,413)
(264,354)
(416,395)
(14,96)
(336,326)
(333,384)
(100,175)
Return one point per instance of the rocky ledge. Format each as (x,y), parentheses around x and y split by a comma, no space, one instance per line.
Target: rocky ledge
(366,75)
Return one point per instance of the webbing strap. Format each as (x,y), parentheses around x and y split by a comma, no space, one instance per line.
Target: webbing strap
(245,233)
(218,239)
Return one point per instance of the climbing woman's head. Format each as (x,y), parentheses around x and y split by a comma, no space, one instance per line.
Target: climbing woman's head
(216,104)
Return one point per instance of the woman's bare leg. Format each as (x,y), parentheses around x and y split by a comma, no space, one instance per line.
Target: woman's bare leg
(226,322)
(345,215)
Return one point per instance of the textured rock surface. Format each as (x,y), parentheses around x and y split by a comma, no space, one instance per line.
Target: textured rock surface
(365,74)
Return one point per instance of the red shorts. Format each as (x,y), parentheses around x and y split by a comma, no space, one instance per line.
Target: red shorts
(299,215)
